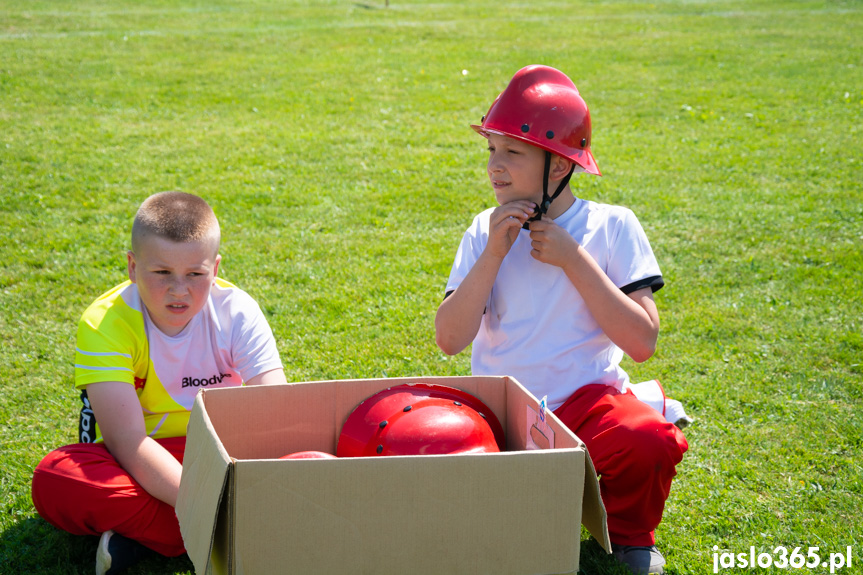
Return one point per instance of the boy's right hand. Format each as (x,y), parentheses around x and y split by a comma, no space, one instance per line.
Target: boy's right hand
(505,223)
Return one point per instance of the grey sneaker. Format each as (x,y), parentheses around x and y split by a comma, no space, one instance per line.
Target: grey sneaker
(117,553)
(640,560)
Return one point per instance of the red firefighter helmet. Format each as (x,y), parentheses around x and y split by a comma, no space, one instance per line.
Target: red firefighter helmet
(309,455)
(542,106)
(420,419)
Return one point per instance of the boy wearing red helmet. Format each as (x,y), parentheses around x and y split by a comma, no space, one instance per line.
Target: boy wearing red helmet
(553,290)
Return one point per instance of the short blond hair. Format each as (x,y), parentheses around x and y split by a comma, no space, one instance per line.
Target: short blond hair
(176,216)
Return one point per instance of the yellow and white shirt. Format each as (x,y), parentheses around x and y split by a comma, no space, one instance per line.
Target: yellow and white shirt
(228,342)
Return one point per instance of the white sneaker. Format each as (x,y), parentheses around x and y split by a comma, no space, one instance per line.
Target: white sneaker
(116,553)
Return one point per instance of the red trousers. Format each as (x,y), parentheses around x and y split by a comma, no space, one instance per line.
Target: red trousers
(82,489)
(634,450)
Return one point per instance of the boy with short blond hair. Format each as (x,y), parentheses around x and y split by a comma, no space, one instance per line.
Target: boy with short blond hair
(144,350)
(553,290)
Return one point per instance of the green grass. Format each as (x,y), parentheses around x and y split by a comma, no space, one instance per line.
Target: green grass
(332,139)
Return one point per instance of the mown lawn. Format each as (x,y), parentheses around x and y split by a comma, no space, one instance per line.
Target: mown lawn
(332,139)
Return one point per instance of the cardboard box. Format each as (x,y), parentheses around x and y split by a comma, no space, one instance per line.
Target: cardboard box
(242,511)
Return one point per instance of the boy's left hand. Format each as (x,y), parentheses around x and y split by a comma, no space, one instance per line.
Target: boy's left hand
(551,243)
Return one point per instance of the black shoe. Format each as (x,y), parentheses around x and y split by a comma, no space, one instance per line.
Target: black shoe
(641,560)
(117,553)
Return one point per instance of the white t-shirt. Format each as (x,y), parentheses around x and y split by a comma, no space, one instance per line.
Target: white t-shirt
(536,326)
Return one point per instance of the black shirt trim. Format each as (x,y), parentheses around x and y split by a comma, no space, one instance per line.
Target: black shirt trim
(655,283)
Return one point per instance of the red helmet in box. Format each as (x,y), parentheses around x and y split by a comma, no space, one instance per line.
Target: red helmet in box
(542,107)
(420,419)
(309,455)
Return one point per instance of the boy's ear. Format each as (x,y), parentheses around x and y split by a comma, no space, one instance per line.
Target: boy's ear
(216,267)
(131,266)
(560,167)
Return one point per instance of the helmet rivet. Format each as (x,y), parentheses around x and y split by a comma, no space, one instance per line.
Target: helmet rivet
(408,408)
(482,415)
(383,424)
(457,403)
(525,128)
(583,142)
(380,448)
(549,135)
(483,120)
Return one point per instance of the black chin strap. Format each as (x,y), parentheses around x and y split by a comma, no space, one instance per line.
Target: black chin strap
(546,199)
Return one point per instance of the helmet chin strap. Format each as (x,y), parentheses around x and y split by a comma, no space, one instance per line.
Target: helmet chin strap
(546,199)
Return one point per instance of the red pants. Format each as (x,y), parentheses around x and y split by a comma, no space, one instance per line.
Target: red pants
(82,489)
(634,450)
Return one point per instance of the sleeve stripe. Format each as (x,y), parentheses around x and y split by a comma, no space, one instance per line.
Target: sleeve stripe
(97,368)
(101,353)
(158,425)
(655,283)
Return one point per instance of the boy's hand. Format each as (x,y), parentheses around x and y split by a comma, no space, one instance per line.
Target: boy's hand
(505,223)
(551,243)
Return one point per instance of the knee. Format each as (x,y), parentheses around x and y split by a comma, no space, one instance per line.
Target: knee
(63,466)
(44,470)
(656,447)
(42,487)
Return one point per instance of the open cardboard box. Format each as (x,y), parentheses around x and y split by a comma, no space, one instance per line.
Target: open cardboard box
(242,511)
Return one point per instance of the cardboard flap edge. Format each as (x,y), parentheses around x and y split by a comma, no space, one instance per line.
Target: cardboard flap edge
(594,516)
(206,471)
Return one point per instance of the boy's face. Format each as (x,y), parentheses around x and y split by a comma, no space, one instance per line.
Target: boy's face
(174,279)
(515,169)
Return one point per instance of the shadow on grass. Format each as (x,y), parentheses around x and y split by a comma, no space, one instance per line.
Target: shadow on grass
(34,547)
(595,561)
(369,6)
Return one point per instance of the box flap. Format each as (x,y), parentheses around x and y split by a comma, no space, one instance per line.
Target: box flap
(206,469)
(593,515)
(222,553)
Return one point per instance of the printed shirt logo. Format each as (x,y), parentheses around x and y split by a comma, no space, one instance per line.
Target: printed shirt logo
(87,421)
(204,381)
(140,383)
